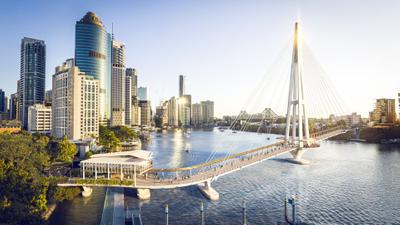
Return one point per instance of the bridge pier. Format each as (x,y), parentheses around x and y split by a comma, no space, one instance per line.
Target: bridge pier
(297,156)
(87,191)
(208,191)
(143,193)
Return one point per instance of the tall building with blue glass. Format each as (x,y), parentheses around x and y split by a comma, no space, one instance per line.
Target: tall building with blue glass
(93,56)
(32,76)
(3,102)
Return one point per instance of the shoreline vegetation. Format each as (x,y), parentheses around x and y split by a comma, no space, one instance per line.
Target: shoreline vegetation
(29,173)
(31,165)
(378,135)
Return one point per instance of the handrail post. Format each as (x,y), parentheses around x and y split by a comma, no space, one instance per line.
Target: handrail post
(202,213)
(134,175)
(83,167)
(166,214)
(244,213)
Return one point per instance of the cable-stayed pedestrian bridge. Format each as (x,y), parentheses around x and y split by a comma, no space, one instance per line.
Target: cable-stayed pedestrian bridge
(203,173)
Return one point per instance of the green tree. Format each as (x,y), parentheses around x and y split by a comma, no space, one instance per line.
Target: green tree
(65,151)
(123,133)
(108,140)
(22,184)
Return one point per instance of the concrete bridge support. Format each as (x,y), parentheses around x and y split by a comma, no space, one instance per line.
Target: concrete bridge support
(297,156)
(208,191)
(143,193)
(87,191)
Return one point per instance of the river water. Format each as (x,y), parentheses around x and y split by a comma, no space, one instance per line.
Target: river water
(345,183)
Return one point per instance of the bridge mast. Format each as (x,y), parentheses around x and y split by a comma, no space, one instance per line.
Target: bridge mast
(296,110)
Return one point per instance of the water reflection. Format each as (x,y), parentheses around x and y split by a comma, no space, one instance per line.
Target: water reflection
(346,183)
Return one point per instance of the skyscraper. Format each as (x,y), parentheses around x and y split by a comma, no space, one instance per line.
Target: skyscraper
(32,75)
(182,86)
(118,87)
(47,98)
(143,93)
(197,116)
(207,111)
(18,102)
(13,115)
(398,101)
(128,99)
(2,101)
(133,73)
(184,110)
(145,113)
(75,103)
(130,94)
(173,112)
(93,57)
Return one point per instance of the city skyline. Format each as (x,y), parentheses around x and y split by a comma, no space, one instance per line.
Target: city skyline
(165,46)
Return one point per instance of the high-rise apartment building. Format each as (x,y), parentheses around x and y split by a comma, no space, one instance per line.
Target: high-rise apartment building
(93,57)
(164,115)
(136,115)
(398,101)
(130,94)
(128,99)
(182,86)
(13,112)
(145,113)
(207,112)
(173,119)
(3,101)
(143,93)
(133,73)
(75,103)
(197,118)
(118,84)
(19,103)
(39,119)
(184,110)
(384,111)
(48,98)
(32,76)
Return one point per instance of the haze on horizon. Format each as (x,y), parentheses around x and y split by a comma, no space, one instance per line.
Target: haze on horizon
(223,47)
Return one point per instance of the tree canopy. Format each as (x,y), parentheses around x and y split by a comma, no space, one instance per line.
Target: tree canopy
(108,139)
(123,133)
(23,187)
(65,151)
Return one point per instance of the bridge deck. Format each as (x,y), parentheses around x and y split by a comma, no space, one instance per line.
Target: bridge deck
(188,176)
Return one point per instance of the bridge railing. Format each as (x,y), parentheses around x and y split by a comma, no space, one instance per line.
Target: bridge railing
(191,174)
(326,131)
(210,165)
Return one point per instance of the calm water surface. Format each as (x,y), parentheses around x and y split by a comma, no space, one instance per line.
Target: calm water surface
(346,183)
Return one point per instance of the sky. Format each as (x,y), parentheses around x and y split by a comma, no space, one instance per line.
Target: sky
(223,47)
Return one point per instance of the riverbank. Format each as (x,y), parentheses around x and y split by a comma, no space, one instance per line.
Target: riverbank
(50,209)
(371,134)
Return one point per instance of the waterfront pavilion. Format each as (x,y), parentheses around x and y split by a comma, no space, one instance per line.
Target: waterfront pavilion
(117,164)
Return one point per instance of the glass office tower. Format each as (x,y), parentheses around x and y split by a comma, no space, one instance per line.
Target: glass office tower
(32,76)
(93,57)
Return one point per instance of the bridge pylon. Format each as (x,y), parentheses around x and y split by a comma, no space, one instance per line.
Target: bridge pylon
(296,116)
